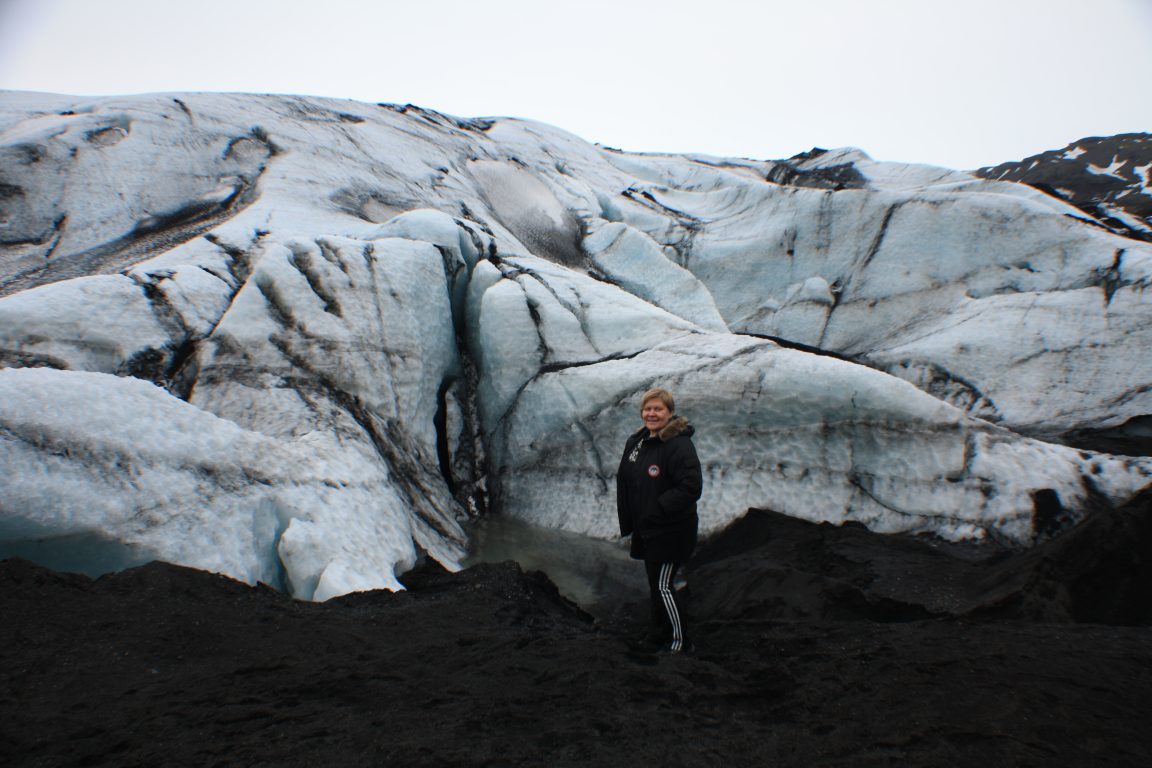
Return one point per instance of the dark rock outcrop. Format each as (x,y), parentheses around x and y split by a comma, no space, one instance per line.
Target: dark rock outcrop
(768,565)
(1107,177)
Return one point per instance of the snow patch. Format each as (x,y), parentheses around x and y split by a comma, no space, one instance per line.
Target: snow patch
(1111,170)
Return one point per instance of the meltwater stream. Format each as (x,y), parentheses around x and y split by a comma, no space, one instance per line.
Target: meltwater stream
(596,574)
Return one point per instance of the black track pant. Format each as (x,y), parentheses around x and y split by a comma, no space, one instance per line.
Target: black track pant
(667,611)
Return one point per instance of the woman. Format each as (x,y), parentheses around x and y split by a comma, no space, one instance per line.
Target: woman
(656,491)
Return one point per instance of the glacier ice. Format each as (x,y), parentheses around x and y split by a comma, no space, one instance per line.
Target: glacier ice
(777,428)
(633,261)
(302,340)
(91,452)
(901,265)
(103,323)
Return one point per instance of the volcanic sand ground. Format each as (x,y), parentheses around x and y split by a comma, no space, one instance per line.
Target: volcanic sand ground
(164,665)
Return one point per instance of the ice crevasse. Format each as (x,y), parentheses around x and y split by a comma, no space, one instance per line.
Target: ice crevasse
(309,345)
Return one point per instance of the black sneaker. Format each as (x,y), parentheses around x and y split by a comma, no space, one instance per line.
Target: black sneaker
(686,647)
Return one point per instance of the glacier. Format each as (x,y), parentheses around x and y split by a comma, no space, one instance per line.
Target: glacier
(304,341)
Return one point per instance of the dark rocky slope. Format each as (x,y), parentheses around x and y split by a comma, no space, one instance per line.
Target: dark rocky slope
(1108,177)
(768,565)
(164,665)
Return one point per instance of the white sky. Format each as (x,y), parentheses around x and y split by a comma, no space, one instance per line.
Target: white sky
(959,83)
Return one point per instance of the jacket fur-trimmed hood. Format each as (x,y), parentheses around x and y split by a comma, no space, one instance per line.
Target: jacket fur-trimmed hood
(674,428)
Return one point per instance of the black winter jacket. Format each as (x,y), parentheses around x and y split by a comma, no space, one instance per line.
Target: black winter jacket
(657,492)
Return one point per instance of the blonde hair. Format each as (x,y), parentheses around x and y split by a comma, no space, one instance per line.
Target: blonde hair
(665,397)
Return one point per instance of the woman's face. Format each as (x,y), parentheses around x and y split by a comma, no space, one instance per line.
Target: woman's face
(656,415)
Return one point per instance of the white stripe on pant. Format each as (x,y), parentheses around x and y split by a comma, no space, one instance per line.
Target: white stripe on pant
(670,604)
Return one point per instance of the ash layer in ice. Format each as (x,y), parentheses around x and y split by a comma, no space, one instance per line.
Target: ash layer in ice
(302,340)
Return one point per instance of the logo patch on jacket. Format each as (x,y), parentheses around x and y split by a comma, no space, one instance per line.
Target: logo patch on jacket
(653,471)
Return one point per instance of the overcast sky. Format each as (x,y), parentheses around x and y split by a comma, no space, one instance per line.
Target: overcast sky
(959,83)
